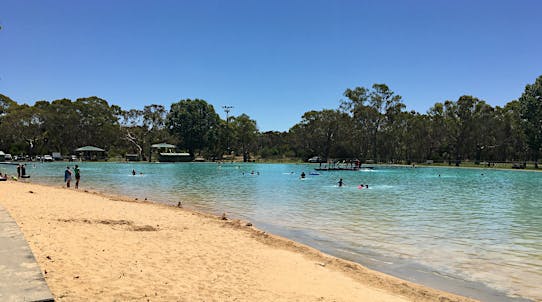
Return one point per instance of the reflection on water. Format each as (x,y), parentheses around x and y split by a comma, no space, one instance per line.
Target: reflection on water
(480,225)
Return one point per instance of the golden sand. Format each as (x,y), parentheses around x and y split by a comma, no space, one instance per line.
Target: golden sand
(92,247)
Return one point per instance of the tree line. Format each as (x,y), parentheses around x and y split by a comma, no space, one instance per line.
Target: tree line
(370,124)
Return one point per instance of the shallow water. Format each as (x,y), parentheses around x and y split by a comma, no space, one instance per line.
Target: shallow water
(478,225)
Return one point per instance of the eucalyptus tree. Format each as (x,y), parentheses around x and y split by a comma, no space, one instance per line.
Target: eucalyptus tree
(509,135)
(322,133)
(531,117)
(192,121)
(298,142)
(22,129)
(413,137)
(362,117)
(61,125)
(133,132)
(484,132)
(375,113)
(6,105)
(274,144)
(394,122)
(217,140)
(98,124)
(245,134)
(437,140)
(471,126)
(154,125)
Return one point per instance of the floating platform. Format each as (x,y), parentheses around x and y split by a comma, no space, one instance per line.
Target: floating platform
(338,169)
(174,157)
(350,165)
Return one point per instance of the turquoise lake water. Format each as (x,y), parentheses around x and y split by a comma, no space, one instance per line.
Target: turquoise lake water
(472,231)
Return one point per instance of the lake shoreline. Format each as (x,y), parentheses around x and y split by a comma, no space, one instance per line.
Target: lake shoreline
(20,203)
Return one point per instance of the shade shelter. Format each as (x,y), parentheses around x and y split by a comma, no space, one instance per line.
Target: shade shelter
(91,152)
(162,147)
(167,153)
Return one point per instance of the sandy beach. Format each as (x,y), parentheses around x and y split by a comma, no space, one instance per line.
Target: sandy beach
(93,247)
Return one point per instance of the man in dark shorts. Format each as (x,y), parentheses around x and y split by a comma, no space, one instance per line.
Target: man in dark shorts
(77,176)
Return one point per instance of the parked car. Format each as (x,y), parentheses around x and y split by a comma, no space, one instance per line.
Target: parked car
(47,158)
(57,156)
(8,157)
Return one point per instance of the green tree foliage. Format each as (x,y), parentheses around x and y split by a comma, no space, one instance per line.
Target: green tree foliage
(378,128)
(5,105)
(322,133)
(510,137)
(245,133)
(133,131)
(21,129)
(142,128)
(275,145)
(193,121)
(376,120)
(464,126)
(97,122)
(59,126)
(370,124)
(530,107)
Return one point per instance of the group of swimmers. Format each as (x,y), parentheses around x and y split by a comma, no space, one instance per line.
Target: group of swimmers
(340,183)
(361,186)
(134,172)
(253,173)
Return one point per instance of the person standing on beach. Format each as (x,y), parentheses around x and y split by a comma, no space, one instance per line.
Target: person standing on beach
(19,171)
(67,176)
(77,176)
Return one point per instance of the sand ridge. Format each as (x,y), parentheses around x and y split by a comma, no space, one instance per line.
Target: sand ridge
(97,247)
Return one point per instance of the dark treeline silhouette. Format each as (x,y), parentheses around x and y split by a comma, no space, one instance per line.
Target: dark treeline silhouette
(370,124)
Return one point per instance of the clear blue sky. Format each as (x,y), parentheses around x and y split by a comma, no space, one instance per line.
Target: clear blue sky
(273,60)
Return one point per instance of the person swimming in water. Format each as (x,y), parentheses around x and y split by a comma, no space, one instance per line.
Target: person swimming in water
(340,182)
(302,174)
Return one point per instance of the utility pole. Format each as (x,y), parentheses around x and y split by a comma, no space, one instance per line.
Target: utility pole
(227,110)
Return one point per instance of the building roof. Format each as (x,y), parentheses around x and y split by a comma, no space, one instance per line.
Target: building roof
(163,145)
(89,148)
